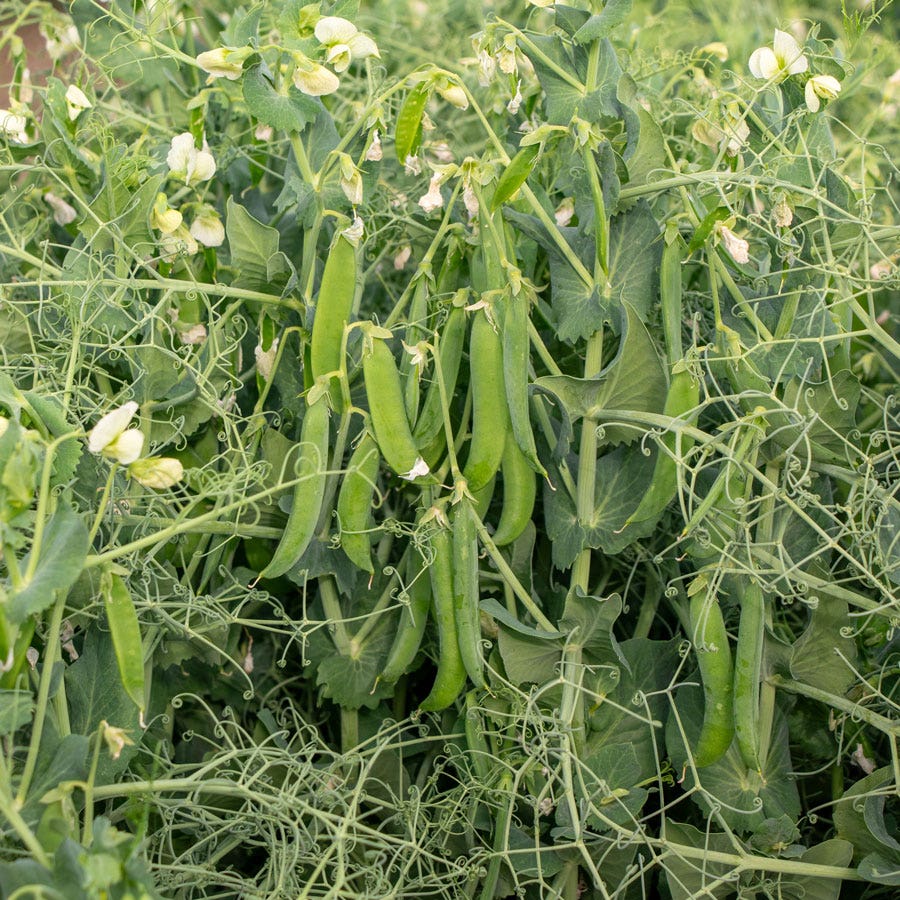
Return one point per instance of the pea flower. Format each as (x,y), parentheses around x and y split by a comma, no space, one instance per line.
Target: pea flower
(178,242)
(351,180)
(207,227)
(419,470)
(188,163)
(738,249)
(158,472)
(116,739)
(63,213)
(783,58)
(355,231)
(825,86)
(12,125)
(716,49)
(433,199)
(76,102)
(224,62)
(375,151)
(112,438)
(344,42)
(453,94)
(162,217)
(313,79)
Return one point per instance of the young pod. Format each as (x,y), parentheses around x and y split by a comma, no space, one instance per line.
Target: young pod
(411,627)
(519,493)
(748,660)
(466,593)
(354,504)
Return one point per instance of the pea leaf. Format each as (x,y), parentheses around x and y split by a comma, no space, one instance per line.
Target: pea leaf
(688,878)
(528,659)
(822,656)
(850,821)
(59,760)
(243,26)
(603,23)
(255,255)
(62,554)
(350,681)
(16,708)
(292,111)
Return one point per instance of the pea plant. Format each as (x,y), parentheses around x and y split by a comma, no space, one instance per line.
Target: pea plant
(449,450)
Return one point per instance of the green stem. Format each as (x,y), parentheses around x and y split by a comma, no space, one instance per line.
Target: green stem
(101,508)
(87,830)
(334,614)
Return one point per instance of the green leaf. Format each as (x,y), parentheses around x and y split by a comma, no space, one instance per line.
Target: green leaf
(849,812)
(528,660)
(602,24)
(408,131)
(689,878)
(878,868)
(823,656)
(811,887)
(62,555)
(254,249)
(887,529)
(587,622)
(635,381)
(350,681)
(528,858)
(290,112)
(50,411)
(243,26)
(649,157)
(503,615)
(16,708)
(58,761)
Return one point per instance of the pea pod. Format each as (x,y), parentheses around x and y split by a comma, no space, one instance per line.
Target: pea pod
(309,493)
(430,422)
(483,498)
(388,410)
(516,351)
(354,504)
(519,493)
(466,590)
(415,332)
(411,627)
(682,397)
(408,133)
(714,661)
(334,308)
(670,291)
(451,673)
(748,674)
(125,630)
(490,416)
(515,175)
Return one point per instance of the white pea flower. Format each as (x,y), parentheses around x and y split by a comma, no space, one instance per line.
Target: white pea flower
(825,86)
(224,62)
(506,56)
(207,227)
(351,181)
(158,472)
(418,355)
(513,106)
(564,212)
(313,79)
(783,58)
(63,213)
(433,199)
(355,232)
(264,132)
(344,42)
(402,258)
(454,94)
(737,247)
(188,163)
(470,200)
(60,37)
(487,68)
(419,470)
(178,242)
(12,125)
(116,739)
(112,437)
(375,152)
(265,359)
(162,217)
(76,102)
(716,49)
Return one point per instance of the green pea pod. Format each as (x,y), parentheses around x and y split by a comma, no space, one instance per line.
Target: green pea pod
(670,291)
(334,308)
(451,673)
(125,630)
(430,422)
(714,661)
(490,415)
(354,504)
(515,175)
(411,627)
(408,133)
(388,410)
(483,498)
(309,493)
(519,493)
(415,332)
(683,396)
(748,674)
(516,350)
(466,595)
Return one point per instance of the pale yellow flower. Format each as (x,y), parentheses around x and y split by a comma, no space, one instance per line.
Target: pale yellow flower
(112,437)
(825,86)
(224,62)
(343,41)
(207,227)
(157,472)
(185,161)
(783,58)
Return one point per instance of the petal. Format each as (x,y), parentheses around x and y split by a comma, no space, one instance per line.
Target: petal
(339,57)
(181,152)
(208,230)
(159,472)
(763,63)
(826,86)
(361,46)
(110,426)
(334,30)
(800,64)
(788,53)
(812,99)
(204,167)
(127,447)
(316,80)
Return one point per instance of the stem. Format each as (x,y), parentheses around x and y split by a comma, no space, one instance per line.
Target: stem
(101,508)
(332,604)
(86,832)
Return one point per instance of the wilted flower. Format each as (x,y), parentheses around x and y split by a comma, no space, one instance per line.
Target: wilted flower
(355,232)
(76,102)
(516,101)
(506,55)
(412,165)
(487,67)
(195,334)
(351,180)
(402,257)
(782,59)
(158,472)
(732,133)
(343,41)
(163,217)
(264,132)
(782,213)
(433,199)
(825,86)
(313,79)
(224,62)
(265,359)
(470,200)
(419,470)
(737,247)
(112,437)
(185,161)
(116,739)
(13,126)
(374,153)
(178,242)
(207,227)
(564,212)
(63,213)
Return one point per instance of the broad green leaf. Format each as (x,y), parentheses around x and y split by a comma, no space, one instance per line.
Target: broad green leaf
(503,615)
(408,131)
(689,878)
(588,622)
(649,157)
(635,381)
(887,529)
(350,682)
(823,656)
(849,812)
(561,97)
(62,554)
(603,23)
(528,660)
(58,761)
(16,708)
(529,858)
(811,887)
(879,868)
(290,112)
(254,249)
(50,411)
(243,26)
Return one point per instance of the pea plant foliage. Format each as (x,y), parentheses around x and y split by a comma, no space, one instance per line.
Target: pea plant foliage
(449,450)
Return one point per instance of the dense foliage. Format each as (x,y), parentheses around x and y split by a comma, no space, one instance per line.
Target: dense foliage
(449,450)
